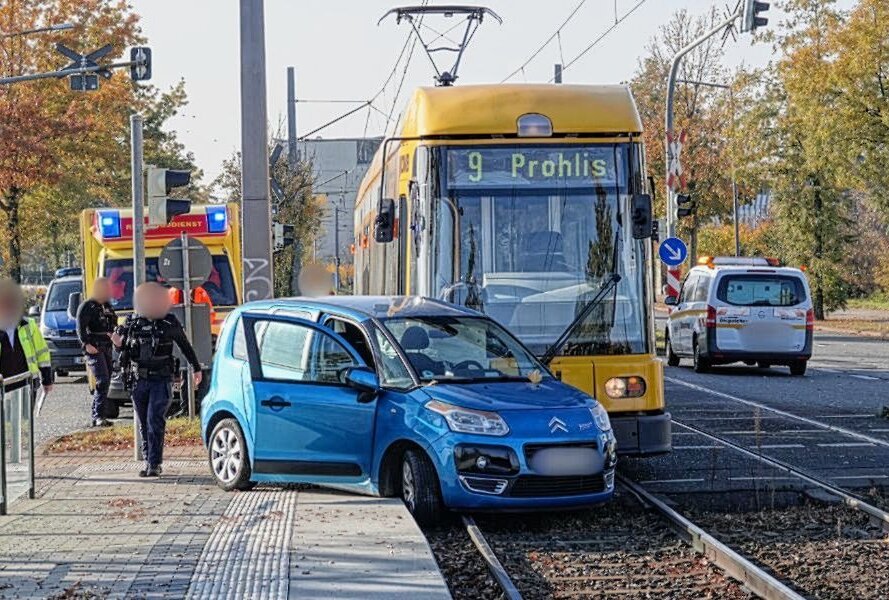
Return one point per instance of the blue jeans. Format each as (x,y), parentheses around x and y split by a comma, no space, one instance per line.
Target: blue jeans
(151,398)
(100,366)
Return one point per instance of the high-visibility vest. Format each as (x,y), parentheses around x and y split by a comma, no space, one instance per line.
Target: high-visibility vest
(198,295)
(34,346)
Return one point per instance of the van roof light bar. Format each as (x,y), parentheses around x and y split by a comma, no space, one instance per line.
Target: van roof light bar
(414,15)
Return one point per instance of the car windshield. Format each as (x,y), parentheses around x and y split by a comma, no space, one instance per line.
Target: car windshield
(57,298)
(220,285)
(761,290)
(462,349)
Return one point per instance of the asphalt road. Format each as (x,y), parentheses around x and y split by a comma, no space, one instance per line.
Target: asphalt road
(827,423)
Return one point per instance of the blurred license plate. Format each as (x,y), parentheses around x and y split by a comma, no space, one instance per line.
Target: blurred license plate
(565,461)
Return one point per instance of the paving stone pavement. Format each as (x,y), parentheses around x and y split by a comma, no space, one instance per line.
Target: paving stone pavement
(97,530)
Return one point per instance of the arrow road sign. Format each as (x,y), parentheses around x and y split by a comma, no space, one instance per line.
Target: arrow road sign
(673,251)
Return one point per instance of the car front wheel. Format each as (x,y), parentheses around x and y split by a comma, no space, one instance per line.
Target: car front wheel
(419,488)
(228,458)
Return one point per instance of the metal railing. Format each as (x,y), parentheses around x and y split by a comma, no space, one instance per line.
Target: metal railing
(17,396)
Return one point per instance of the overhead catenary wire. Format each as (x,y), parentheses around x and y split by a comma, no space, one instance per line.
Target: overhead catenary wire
(407,64)
(546,43)
(602,36)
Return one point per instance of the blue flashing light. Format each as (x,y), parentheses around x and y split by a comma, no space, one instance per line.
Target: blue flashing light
(217,219)
(109,223)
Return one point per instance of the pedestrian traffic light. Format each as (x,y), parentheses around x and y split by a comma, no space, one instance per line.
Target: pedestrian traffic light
(750,20)
(283,235)
(685,206)
(140,63)
(161,209)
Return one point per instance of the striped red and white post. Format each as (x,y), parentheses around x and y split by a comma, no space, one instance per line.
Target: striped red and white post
(673,277)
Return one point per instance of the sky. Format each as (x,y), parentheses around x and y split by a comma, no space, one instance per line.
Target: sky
(340,53)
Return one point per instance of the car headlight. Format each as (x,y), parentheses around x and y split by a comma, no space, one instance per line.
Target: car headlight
(47,332)
(467,420)
(600,416)
(625,387)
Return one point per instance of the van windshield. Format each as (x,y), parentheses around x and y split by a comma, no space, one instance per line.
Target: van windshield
(220,285)
(754,289)
(461,349)
(57,298)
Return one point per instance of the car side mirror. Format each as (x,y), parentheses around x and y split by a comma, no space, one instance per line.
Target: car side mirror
(384,225)
(34,311)
(671,300)
(365,380)
(641,216)
(73,304)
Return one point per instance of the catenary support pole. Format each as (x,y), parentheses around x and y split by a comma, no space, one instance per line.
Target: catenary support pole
(256,241)
(138,192)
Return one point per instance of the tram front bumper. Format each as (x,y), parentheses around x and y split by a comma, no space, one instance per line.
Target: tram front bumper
(642,434)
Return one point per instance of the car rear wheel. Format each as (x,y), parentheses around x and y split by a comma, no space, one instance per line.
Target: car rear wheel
(702,365)
(672,357)
(798,368)
(419,488)
(227,455)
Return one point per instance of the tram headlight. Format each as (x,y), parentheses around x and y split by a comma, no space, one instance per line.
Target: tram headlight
(600,417)
(625,387)
(465,420)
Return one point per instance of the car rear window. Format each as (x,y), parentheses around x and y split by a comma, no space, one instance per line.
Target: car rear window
(761,289)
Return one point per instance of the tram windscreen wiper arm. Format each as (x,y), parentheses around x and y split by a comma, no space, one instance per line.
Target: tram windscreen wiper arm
(614,279)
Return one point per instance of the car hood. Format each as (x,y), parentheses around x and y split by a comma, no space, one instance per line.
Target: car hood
(509,395)
(58,319)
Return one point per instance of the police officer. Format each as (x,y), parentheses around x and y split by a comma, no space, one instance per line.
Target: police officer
(96,320)
(22,347)
(147,342)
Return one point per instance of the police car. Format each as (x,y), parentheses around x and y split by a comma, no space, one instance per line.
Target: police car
(733,309)
(400,396)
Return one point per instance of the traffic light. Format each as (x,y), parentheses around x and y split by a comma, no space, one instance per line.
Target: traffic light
(140,69)
(161,209)
(685,206)
(283,235)
(750,20)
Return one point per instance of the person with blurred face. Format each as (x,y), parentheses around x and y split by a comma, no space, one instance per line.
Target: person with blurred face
(96,321)
(22,347)
(147,342)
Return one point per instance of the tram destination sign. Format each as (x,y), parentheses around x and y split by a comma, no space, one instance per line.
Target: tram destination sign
(536,166)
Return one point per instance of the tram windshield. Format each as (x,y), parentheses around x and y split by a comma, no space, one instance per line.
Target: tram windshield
(529,234)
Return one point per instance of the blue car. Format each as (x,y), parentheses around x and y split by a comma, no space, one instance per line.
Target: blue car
(400,396)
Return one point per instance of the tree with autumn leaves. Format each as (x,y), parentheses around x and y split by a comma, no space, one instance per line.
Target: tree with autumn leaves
(812,128)
(63,151)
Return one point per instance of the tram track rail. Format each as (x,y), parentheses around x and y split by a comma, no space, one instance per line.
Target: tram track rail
(672,574)
(877,515)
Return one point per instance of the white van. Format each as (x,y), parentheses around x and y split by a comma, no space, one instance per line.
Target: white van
(733,309)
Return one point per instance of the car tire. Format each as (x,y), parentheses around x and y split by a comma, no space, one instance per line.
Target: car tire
(764,365)
(798,368)
(227,457)
(672,357)
(419,488)
(701,364)
(111,409)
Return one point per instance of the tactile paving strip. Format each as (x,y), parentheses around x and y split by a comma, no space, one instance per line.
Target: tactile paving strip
(113,467)
(248,553)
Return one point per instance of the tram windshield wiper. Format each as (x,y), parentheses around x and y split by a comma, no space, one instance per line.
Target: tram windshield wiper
(612,279)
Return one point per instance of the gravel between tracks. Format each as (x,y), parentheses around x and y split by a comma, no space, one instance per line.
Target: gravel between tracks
(618,549)
(824,551)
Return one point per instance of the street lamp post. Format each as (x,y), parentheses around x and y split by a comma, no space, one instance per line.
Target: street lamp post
(48,28)
(731,96)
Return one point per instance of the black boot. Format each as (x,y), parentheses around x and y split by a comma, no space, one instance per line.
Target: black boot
(144,472)
(154,471)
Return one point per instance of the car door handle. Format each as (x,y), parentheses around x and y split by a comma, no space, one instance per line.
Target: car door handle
(275,402)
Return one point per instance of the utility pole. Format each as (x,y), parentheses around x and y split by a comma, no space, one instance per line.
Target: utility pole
(136,156)
(671,85)
(292,166)
(257,243)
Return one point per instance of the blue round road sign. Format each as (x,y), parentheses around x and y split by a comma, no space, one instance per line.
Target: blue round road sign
(673,251)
